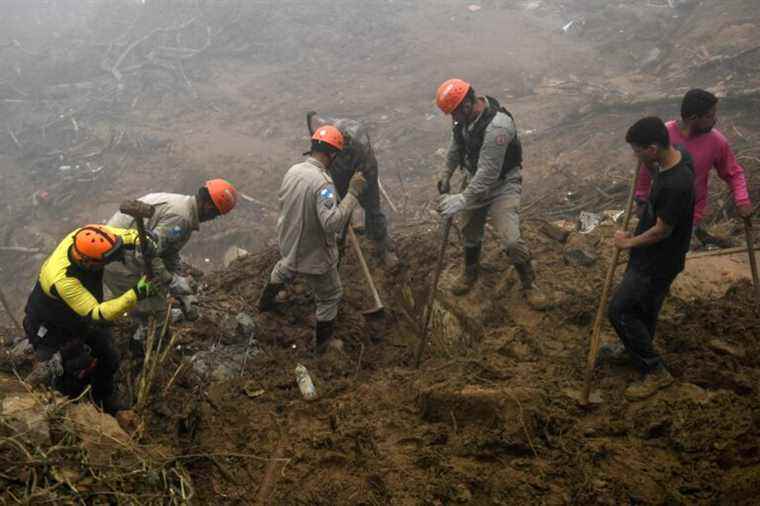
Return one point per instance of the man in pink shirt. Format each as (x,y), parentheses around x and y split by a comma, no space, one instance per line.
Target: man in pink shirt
(708,147)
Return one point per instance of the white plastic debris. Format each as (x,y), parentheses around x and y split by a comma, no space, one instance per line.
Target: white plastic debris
(474,8)
(587,222)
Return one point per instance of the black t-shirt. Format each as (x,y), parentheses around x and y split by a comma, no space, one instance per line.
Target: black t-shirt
(671,200)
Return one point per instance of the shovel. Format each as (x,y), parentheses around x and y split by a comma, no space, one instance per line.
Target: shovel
(751,251)
(595,340)
(431,296)
(375,317)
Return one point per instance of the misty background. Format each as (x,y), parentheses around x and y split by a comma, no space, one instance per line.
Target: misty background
(105,100)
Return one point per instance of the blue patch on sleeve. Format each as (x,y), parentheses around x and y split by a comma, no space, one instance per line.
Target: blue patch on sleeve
(327,196)
(176,231)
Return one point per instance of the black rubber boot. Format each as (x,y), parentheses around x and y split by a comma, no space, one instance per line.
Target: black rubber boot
(267,299)
(323,335)
(111,404)
(534,296)
(471,270)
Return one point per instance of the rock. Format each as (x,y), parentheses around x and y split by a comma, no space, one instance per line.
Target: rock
(222,373)
(27,416)
(102,436)
(232,254)
(577,256)
(554,232)
(238,329)
(724,348)
(246,325)
(127,420)
(462,494)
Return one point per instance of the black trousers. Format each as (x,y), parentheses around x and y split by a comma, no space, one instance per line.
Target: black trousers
(88,357)
(375,221)
(633,312)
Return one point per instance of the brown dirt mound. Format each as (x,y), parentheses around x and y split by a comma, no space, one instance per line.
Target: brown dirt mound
(488,419)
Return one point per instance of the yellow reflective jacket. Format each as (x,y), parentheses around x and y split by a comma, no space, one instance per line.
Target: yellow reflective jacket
(70,297)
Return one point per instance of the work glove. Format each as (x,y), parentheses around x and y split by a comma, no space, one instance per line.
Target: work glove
(449,205)
(357,185)
(444,184)
(145,288)
(180,285)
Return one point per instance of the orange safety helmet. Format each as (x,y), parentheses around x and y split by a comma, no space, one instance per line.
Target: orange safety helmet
(450,94)
(95,244)
(223,195)
(330,135)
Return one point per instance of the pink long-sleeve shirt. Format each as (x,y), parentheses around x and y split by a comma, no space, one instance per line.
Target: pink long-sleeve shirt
(708,150)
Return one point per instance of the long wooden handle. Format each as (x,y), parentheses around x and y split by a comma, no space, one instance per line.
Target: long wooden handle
(7,308)
(752,260)
(431,296)
(594,343)
(144,247)
(365,268)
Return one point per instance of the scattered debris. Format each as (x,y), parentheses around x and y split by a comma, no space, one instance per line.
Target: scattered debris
(723,347)
(554,232)
(587,222)
(580,257)
(232,254)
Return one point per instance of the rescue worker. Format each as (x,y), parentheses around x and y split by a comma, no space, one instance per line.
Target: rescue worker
(708,147)
(657,255)
(175,219)
(66,313)
(310,220)
(485,144)
(357,155)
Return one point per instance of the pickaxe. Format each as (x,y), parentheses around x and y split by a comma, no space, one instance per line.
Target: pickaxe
(139,210)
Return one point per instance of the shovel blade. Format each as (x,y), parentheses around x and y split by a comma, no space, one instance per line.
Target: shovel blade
(375,324)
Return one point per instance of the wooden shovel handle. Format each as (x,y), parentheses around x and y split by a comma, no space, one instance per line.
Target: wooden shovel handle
(594,343)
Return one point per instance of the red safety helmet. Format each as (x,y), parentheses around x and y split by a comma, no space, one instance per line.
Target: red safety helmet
(223,195)
(450,94)
(330,135)
(94,243)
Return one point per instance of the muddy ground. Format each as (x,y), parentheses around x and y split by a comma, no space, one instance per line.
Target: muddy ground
(221,89)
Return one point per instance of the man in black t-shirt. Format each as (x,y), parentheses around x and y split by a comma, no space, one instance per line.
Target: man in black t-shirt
(657,253)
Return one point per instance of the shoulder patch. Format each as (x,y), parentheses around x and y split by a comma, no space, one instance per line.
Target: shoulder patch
(175,232)
(502,120)
(327,196)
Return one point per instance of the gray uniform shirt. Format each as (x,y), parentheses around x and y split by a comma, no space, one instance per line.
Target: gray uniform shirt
(174,221)
(310,218)
(485,185)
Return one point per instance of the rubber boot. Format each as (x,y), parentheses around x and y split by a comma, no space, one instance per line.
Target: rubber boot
(471,270)
(111,404)
(323,335)
(267,299)
(533,294)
